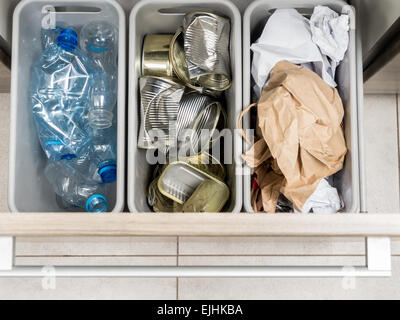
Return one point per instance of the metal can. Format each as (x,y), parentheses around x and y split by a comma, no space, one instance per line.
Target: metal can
(200,114)
(160,99)
(206,46)
(155,55)
(209,196)
(180,178)
(178,59)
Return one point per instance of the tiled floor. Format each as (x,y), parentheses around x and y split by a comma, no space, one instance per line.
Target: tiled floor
(382,153)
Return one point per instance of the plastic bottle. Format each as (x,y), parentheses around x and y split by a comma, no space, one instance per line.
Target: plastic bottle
(102,102)
(49,36)
(99,41)
(74,189)
(61,83)
(99,165)
(103,153)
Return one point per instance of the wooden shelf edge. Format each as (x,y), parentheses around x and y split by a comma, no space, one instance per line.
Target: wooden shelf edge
(197,224)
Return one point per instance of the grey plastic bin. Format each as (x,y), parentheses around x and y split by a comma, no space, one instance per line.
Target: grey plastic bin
(165,16)
(256,15)
(29,190)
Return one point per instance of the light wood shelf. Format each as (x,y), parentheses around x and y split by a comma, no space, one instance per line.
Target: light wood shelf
(197,224)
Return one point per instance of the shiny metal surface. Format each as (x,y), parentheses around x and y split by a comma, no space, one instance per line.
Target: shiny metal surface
(180,179)
(160,100)
(182,175)
(204,127)
(201,114)
(206,44)
(178,59)
(190,107)
(156,55)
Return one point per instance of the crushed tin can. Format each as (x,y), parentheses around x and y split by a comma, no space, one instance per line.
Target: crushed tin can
(206,46)
(180,178)
(211,118)
(160,100)
(156,56)
(178,59)
(180,68)
(201,114)
(209,196)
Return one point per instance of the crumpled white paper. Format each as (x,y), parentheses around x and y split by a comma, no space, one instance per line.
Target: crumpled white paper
(325,199)
(287,36)
(330,32)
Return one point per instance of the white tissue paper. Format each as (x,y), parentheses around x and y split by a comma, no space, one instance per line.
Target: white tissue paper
(330,32)
(325,199)
(287,36)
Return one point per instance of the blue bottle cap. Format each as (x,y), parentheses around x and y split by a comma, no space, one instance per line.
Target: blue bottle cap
(96,203)
(67,39)
(108,173)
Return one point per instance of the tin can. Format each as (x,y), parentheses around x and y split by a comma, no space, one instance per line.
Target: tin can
(190,107)
(209,196)
(205,126)
(160,99)
(197,119)
(156,56)
(206,46)
(180,178)
(178,60)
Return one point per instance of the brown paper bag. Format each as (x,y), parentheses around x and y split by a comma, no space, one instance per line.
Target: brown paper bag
(300,119)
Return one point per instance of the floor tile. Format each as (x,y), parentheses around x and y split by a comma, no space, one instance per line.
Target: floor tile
(381,152)
(289,288)
(88,288)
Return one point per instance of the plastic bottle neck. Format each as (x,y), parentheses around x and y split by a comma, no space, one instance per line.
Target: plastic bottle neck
(100,118)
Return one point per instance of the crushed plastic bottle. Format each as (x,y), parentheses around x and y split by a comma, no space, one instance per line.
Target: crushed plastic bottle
(61,85)
(49,36)
(75,191)
(99,41)
(101,112)
(100,164)
(103,154)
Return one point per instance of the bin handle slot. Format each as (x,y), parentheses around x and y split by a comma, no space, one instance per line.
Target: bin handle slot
(182,10)
(76,9)
(49,12)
